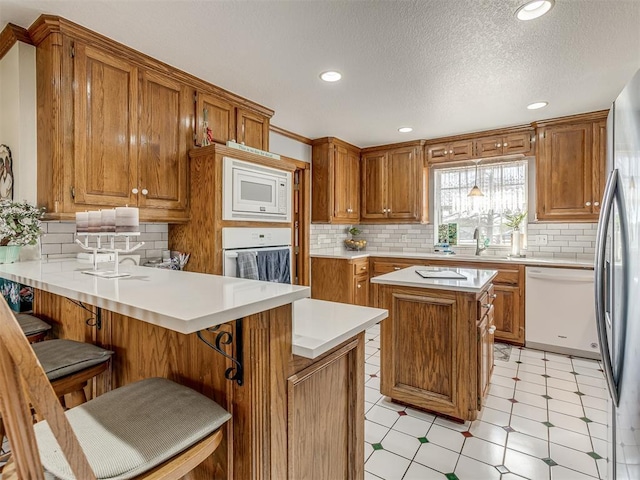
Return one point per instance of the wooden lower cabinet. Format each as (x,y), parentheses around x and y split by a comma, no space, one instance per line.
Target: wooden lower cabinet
(340,280)
(321,444)
(429,349)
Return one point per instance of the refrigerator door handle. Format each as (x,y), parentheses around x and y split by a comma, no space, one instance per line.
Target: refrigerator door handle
(600,272)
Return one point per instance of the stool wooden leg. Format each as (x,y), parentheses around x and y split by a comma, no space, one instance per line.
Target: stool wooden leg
(74,399)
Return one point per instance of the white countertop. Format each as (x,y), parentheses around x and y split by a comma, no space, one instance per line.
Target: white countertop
(538,261)
(319,326)
(185,302)
(475,281)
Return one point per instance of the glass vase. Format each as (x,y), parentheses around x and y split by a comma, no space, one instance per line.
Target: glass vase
(515,242)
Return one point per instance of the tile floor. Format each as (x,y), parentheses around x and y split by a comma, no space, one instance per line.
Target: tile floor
(544,419)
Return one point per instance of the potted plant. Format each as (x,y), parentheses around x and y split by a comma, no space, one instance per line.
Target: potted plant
(355,243)
(19,225)
(513,221)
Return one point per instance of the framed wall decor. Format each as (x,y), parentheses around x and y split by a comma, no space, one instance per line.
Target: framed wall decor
(6,173)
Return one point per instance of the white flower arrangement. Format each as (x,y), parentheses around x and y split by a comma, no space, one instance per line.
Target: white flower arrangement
(19,223)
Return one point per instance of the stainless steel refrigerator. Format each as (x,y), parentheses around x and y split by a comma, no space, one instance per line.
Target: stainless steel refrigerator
(617,283)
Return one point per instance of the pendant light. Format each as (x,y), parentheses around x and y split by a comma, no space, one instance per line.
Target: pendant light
(475,191)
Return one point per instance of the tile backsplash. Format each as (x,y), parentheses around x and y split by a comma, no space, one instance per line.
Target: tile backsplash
(58,240)
(564,240)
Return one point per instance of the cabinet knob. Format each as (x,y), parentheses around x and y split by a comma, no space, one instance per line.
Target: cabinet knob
(396,268)
(492,329)
(486,305)
(363,268)
(145,191)
(450,152)
(596,204)
(359,286)
(499,145)
(495,295)
(588,204)
(134,191)
(388,210)
(505,144)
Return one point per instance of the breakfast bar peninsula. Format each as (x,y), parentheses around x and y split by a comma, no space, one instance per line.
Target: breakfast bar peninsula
(437,343)
(289,371)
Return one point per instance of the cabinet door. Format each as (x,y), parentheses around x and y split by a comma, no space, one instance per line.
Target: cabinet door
(361,290)
(462,150)
(485,357)
(252,129)
(221,118)
(507,314)
(373,204)
(403,188)
(162,161)
(437,153)
(105,128)
(599,163)
(342,185)
(564,173)
(517,143)
(353,186)
(488,147)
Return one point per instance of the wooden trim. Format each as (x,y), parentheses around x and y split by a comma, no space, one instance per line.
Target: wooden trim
(48,24)
(10,35)
(486,133)
(335,141)
(291,135)
(414,143)
(581,117)
(214,149)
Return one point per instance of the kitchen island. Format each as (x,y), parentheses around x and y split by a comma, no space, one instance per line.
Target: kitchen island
(437,343)
(293,388)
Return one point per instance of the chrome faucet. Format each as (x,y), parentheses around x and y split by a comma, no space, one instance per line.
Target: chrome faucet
(476,237)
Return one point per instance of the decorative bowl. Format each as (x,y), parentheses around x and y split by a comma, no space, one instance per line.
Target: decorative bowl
(355,244)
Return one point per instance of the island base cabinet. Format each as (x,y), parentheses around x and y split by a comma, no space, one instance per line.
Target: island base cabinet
(428,349)
(321,444)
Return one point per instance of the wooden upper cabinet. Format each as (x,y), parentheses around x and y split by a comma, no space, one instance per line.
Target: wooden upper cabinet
(336,182)
(221,118)
(452,151)
(162,172)
(508,144)
(373,199)
(393,186)
(252,129)
(570,170)
(105,128)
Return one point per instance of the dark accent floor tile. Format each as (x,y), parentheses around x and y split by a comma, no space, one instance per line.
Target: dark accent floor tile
(548,424)
(546,376)
(451,476)
(546,396)
(594,455)
(377,446)
(574,373)
(579,393)
(423,440)
(549,462)
(516,379)
(467,434)
(586,420)
(508,429)
(502,469)
(402,413)
(513,400)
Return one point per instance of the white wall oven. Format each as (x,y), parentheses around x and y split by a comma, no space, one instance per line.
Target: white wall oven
(255,193)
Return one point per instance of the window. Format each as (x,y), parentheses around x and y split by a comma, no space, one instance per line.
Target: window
(505,191)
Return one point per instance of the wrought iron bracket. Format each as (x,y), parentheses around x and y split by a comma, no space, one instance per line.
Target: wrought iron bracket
(235,372)
(96,316)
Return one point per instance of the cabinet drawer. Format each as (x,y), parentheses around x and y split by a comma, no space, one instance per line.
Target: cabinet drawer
(382,267)
(361,266)
(510,277)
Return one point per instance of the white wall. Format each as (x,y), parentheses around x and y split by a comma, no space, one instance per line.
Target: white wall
(289,148)
(18,117)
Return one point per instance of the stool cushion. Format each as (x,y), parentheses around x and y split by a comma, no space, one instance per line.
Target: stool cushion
(31,325)
(133,429)
(61,357)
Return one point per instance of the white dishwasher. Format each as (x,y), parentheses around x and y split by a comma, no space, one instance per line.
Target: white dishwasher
(560,311)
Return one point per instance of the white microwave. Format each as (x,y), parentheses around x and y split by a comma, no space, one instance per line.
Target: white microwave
(255,193)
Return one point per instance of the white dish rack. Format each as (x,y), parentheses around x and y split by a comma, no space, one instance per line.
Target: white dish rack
(108,238)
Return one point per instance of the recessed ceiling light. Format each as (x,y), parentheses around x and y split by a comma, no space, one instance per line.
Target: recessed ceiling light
(405,129)
(534,9)
(537,105)
(331,76)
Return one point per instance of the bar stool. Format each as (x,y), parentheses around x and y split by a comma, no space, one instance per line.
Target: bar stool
(34,328)
(150,429)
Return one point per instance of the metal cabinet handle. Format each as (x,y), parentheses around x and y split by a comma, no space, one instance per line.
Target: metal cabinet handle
(492,329)
(396,268)
(588,204)
(145,191)
(134,191)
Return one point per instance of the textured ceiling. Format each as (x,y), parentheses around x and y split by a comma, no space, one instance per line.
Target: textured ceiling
(441,66)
